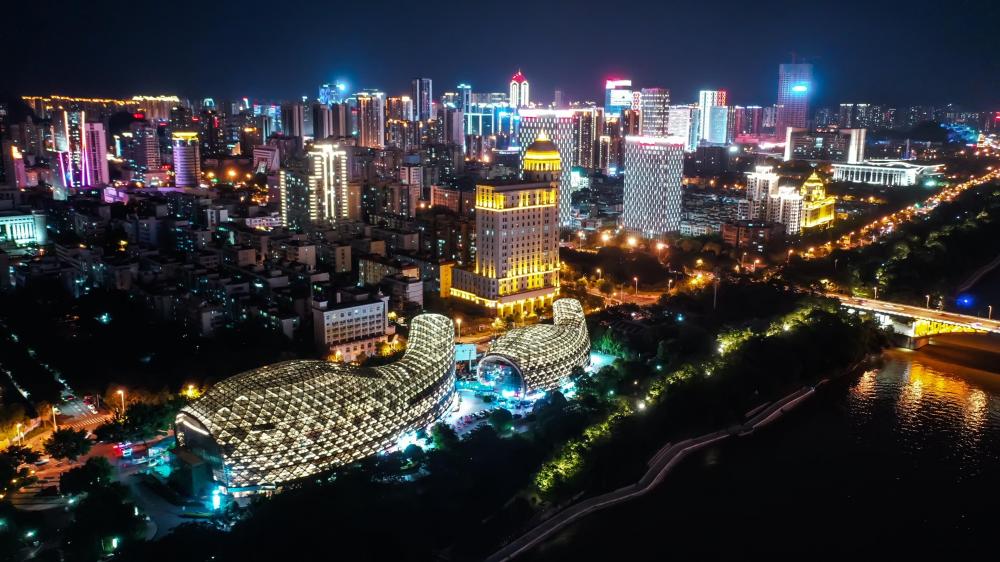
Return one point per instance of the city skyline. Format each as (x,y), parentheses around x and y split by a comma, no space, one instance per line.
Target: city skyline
(870,62)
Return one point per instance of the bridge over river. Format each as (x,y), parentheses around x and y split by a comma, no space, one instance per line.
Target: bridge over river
(915,325)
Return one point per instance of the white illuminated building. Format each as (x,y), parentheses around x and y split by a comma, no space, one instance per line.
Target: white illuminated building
(654,169)
(538,357)
(884,172)
(292,420)
(520,94)
(708,99)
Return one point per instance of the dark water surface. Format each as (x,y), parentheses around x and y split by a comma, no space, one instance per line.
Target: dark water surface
(902,462)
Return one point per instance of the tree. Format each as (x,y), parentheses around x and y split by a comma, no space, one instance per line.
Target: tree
(102,516)
(444,437)
(11,460)
(96,472)
(68,443)
(501,419)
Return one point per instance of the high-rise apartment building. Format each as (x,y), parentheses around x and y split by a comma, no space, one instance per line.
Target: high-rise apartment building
(760,184)
(322,121)
(315,190)
(654,169)
(654,112)
(517,239)
(293,119)
(423,99)
(519,91)
(371,119)
(794,89)
(187,159)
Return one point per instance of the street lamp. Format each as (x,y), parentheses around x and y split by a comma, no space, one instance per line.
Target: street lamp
(599,273)
(755,262)
(18,431)
(660,246)
(876,292)
(789,256)
(605,237)
(121,394)
(636,280)
(55,426)
(459,322)
(928,305)
(989,313)
(632,241)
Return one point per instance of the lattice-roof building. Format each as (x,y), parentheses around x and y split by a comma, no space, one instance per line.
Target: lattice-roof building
(538,357)
(294,419)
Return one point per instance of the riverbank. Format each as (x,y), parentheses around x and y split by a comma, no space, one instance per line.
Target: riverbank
(899,461)
(660,466)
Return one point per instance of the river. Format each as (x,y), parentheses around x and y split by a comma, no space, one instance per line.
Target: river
(902,461)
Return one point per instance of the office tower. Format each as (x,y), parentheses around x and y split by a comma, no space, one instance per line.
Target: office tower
(749,120)
(187,159)
(561,127)
(653,172)
(516,269)
(760,184)
(519,92)
(683,123)
(706,100)
(654,112)
(322,121)
(299,206)
(423,99)
(557,100)
(718,119)
(399,108)
(617,96)
(292,120)
(794,88)
(371,119)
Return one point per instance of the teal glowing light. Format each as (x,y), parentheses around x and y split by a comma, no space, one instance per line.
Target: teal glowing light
(800,88)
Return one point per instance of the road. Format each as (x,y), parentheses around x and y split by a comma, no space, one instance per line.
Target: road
(885,307)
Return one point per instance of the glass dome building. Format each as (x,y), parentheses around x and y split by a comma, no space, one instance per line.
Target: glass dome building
(294,419)
(538,357)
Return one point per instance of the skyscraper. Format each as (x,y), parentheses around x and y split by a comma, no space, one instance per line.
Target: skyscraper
(293,119)
(563,128)
(794,89)
(718,119)
(706,100)
(653,172)
(519,92)
(371,119)
(187,159)
(423,99)
(322,121)
(683,123)
(654,112)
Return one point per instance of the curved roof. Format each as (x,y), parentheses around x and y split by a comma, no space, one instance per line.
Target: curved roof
(519,78)
(546,353)
(293,419)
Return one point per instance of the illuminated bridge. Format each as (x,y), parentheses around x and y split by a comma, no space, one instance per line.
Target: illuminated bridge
(917,324)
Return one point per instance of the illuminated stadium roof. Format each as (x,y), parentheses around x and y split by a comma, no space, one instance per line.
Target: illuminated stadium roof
(544,354)
(291,420)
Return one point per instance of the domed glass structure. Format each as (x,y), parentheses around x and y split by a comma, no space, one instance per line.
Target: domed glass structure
(294,419)
(538,357)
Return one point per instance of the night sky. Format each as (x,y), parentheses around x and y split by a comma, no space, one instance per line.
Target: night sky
(874,51)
